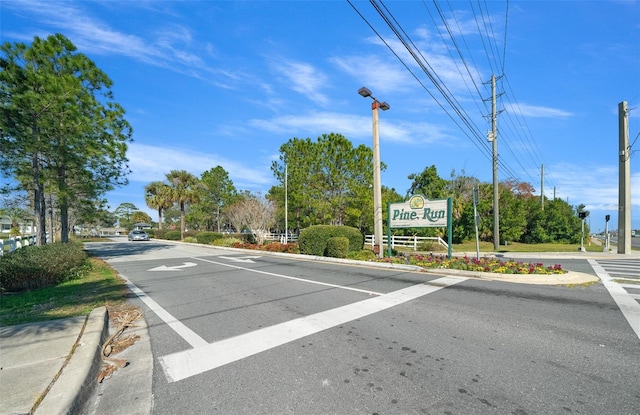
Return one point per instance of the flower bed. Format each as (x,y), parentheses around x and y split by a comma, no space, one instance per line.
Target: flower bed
(485,264)
(271,247)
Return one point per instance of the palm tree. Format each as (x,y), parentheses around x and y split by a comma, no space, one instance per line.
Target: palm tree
(157,195)
(184,186)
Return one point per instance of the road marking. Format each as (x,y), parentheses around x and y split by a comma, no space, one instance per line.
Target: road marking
(258,271)
(625,301)
(174,268)
(182,365)
(183,331)
(247,259)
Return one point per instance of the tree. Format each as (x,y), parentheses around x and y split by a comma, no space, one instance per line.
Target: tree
(256,213)
(513,219)
(325,179)
(428,184)
(61,129)
(140,217)
(157,195)
(217,190)
(234,213)
(124,211)
(184,190)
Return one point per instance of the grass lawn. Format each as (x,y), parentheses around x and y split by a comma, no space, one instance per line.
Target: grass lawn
(470,246)
(101,287)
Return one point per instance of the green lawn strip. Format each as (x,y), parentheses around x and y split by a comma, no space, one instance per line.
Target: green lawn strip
(100,287)
(470,246)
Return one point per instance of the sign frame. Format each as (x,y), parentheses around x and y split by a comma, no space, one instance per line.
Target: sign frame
(420,212)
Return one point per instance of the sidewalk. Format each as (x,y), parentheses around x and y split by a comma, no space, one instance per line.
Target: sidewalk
(38,356)
(34,357)
(61,360)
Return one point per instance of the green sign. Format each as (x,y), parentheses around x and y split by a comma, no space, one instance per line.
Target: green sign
(420,212)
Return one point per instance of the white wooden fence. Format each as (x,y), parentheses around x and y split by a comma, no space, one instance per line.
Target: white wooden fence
(397,241)
(17,242)
(412,242)
(281,237)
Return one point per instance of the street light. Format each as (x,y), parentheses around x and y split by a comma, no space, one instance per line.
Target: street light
(377,190)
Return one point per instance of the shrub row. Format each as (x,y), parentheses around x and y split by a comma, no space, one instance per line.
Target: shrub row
(33,267)
(314,240)
(271,247)
(208,237)
(204,237)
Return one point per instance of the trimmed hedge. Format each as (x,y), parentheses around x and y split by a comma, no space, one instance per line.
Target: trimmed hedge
(313,240)
(208,237)
(337,247)
(33,267)
(171,235)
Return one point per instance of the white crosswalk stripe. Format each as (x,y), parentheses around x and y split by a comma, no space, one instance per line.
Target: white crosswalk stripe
(625,272)
(621,277)
(627,268)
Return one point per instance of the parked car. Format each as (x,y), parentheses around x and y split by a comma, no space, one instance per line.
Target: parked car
(138,235)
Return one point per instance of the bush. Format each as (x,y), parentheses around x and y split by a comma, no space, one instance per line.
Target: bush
(190,234)
(160,233)
(280,247)
(227,241)
(190,239)
(362,255)
(313,240)
(172,235)
(208,237)
(337,247)
(33,267)
(429,246)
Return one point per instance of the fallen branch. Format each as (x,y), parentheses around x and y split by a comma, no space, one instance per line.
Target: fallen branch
(115,343)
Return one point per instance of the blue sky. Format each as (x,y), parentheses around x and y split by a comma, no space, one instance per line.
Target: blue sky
(208,83)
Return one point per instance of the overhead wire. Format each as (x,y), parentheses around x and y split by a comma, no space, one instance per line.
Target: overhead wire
(461,55)
(463,120)
(483,149)
(462,58)
(435,79)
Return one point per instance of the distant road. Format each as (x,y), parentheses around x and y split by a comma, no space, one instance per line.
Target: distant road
(635,242)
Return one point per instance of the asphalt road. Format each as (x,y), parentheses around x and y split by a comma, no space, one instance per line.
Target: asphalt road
(635,242)
(243,333)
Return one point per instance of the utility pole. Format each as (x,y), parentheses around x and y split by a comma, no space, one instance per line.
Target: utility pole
(542,188)
(494,138)
(624,181)
(286,205)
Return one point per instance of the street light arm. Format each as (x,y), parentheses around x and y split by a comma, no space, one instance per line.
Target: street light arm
(364,92)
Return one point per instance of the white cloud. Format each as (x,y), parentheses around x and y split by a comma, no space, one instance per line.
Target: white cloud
(352,127)
(379,75)
(303,78)
(537,111)
(437,61)
(594,186)
(172,48)
(150,163)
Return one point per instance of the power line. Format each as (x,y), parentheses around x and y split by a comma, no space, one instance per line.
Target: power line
(482,148)
(462,118)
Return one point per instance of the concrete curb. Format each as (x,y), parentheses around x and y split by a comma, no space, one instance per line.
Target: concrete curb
(81,370)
